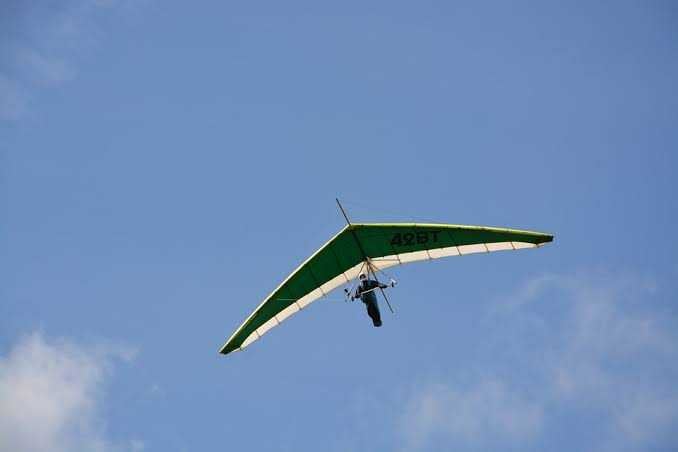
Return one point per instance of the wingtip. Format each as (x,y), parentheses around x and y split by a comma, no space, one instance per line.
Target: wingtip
(226,349)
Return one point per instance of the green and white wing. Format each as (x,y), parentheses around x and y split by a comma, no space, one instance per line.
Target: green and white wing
(340,260)
(396,244)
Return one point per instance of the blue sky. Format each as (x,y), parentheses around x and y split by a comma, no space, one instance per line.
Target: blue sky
(165,165)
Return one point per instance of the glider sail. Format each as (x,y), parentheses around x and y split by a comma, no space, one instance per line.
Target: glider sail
(341,259)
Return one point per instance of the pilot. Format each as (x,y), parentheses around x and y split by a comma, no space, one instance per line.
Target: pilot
(365,291)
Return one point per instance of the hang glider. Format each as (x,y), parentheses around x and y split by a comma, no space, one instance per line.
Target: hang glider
(380,245)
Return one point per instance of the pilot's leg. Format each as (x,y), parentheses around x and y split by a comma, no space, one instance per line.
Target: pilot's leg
(373,312)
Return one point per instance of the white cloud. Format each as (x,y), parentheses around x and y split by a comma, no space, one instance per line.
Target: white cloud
(50,396)
(13,102)
(617,356)
(45,69)
(40,45)
(480,413)
(587,346)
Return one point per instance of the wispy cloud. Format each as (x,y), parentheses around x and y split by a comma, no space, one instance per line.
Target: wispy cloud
(13,99)
(51,394)
(594,346)
(480,413)
(40,44)
(617,354)
(44,69)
